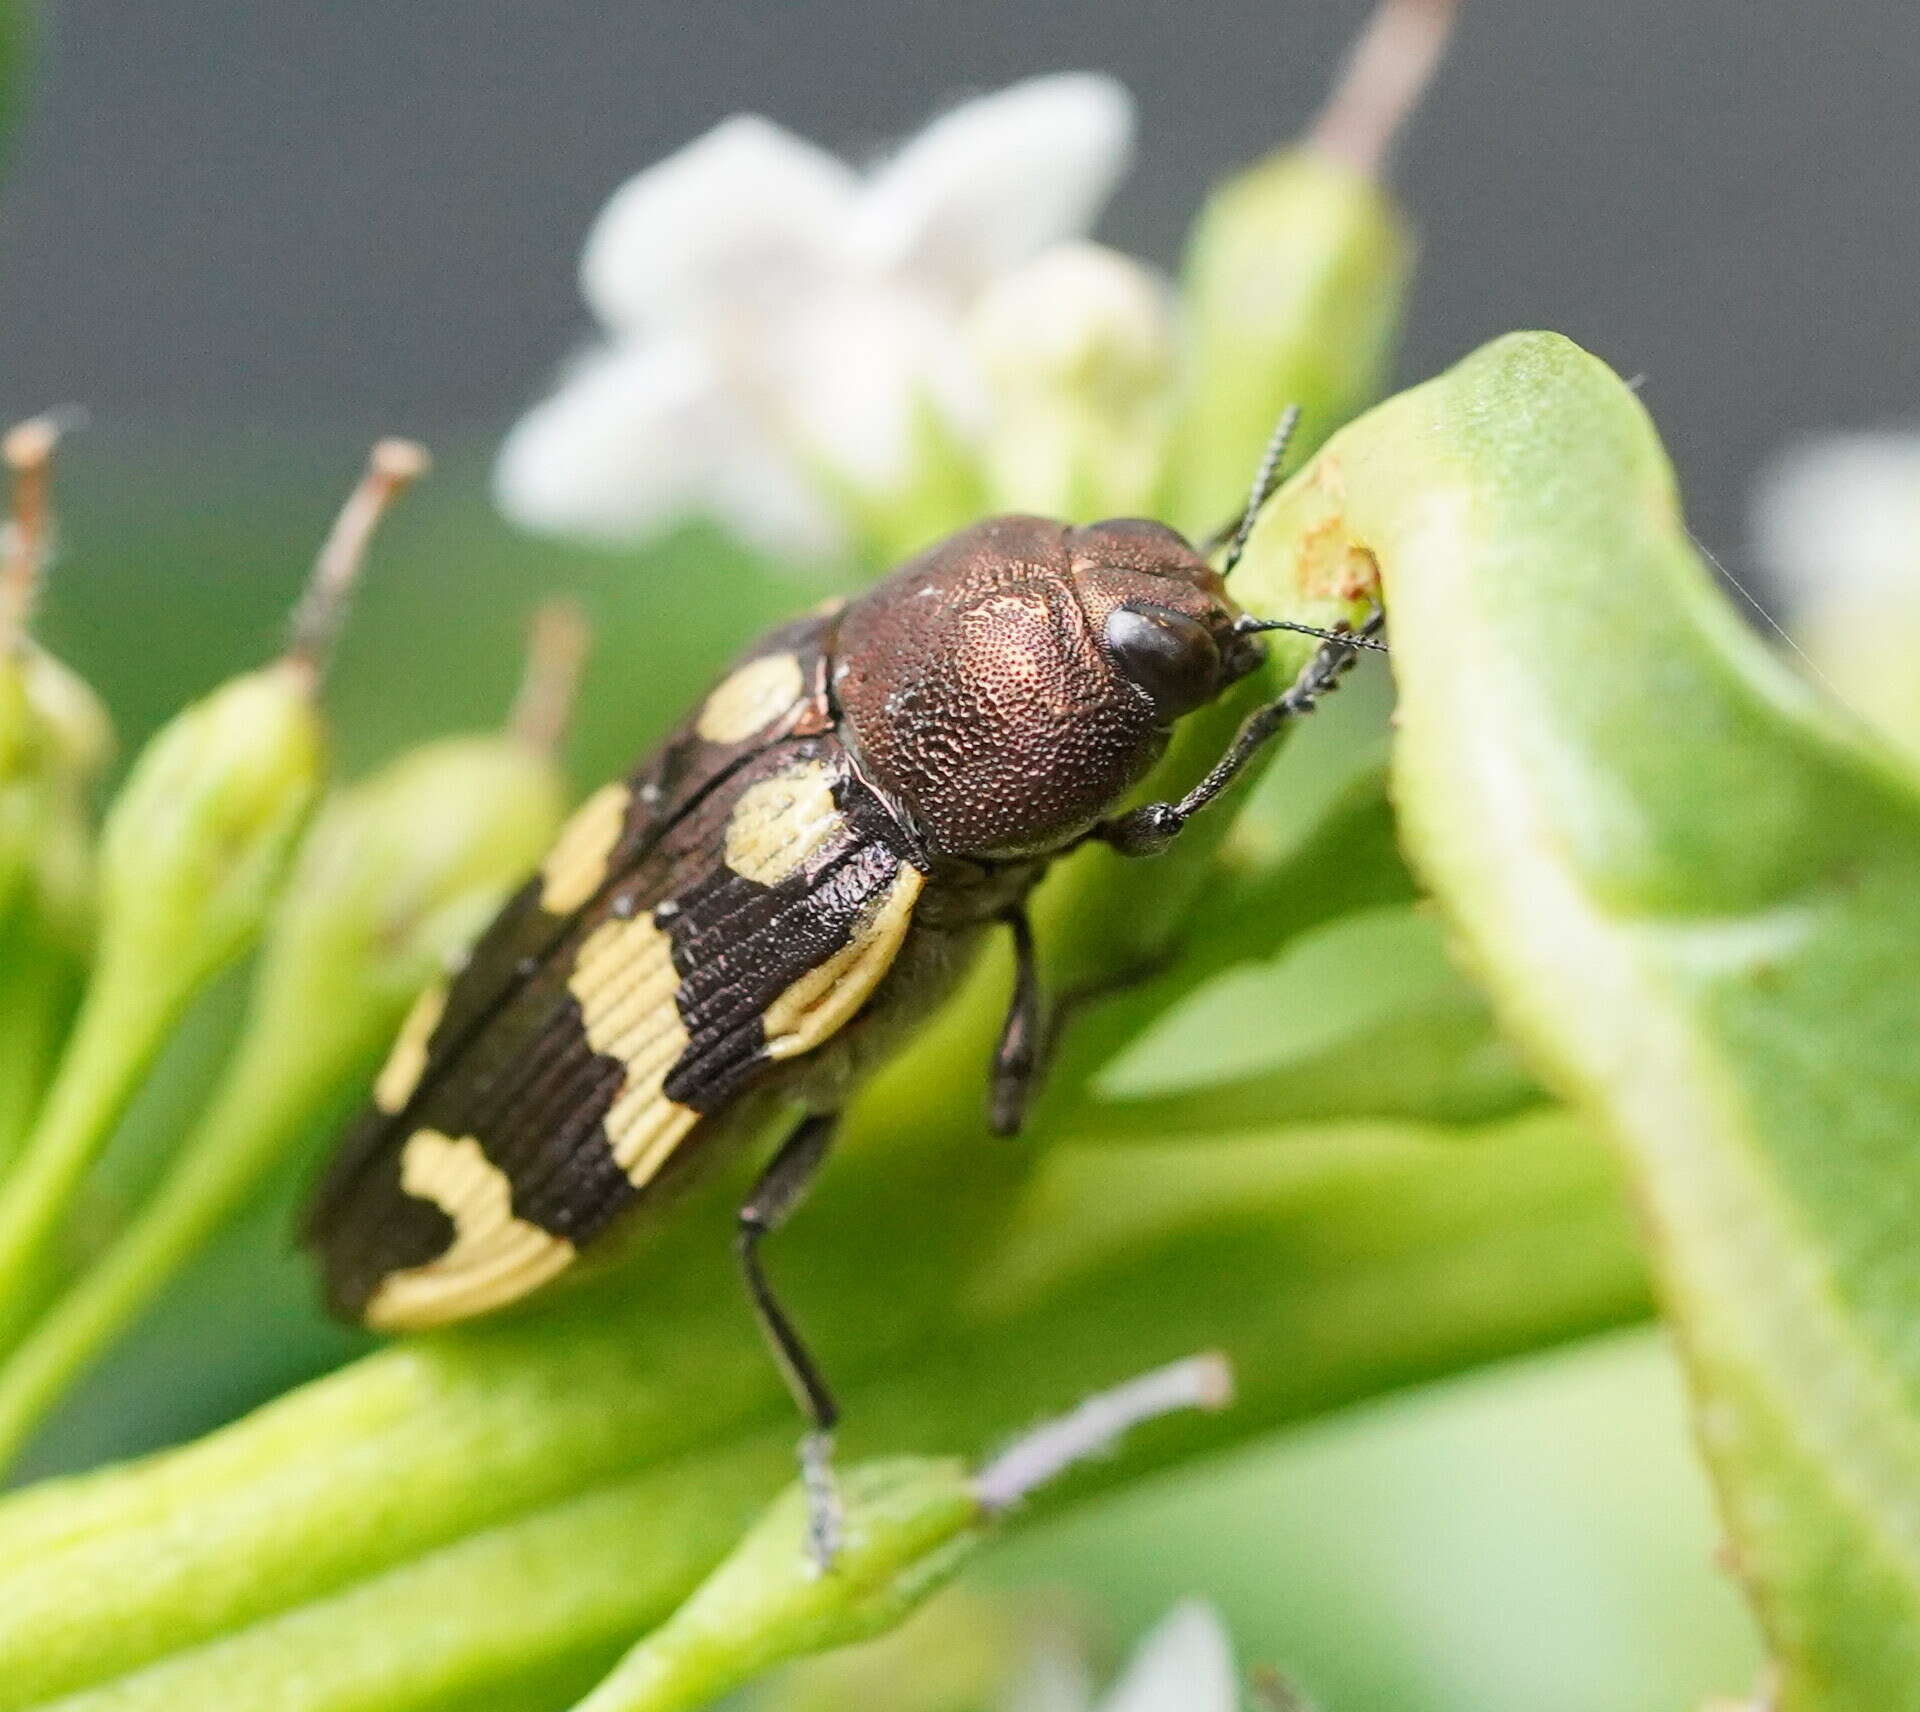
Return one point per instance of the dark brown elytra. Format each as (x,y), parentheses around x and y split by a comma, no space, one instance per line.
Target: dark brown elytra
(789,883)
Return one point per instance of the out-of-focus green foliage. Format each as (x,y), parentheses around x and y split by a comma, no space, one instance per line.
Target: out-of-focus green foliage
(1693,891)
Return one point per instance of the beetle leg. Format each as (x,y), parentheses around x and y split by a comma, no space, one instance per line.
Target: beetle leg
(1150,828)
(1019,1060)
(781,1188)
(1033,1026)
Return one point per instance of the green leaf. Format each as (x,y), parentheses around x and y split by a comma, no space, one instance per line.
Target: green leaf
(529,1491)
(1693,889)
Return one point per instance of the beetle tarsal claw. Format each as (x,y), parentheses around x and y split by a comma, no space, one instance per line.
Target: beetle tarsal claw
(824,1511)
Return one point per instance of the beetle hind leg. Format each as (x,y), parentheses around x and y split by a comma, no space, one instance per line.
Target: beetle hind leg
(780,1189)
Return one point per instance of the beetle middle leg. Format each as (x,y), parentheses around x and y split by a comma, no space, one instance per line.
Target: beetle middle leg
(1019,1060)
(780,1189)
(1150,828)
(1033,1026)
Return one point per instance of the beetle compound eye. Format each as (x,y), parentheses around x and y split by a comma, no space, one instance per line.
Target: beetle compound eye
(1172,657)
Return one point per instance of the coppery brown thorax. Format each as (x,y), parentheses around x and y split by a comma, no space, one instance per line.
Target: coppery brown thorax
(1009,686)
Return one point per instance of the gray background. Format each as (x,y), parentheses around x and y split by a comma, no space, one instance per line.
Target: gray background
(242,217)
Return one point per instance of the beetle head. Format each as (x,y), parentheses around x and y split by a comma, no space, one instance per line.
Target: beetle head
(1012,684)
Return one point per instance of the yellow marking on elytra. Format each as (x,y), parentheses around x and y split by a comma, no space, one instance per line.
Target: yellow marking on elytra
(494,1257)
(625,984)
(751,699)
(576,866)
(824,1000)
(781,821)
(407,1062)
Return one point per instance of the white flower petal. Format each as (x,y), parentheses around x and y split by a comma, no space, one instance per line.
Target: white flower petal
(1078,315)
(997,179)
(620,450)
(1184,1665)
(1839,516)
(640,438)
(759,494)
(852,370)
(738,223)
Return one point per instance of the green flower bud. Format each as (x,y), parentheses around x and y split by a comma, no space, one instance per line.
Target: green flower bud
(1078,352)
(46,901)
(75,727)
(191,858)
(909,1523)
(20,782)
(401,872)
(55,739)
(396,877)
(75,742)
(196,843)
(37,703)
(193,852)
(1297,271)
(1294,284)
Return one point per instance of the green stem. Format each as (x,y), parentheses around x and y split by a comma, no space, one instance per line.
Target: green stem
(39,990)
(909,1522)
(124,1019)
(268,1099)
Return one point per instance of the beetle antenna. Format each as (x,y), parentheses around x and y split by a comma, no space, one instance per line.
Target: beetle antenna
(1250,626)
(1265,480)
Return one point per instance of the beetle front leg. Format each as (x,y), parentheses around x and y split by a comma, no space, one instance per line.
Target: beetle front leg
(1150,828)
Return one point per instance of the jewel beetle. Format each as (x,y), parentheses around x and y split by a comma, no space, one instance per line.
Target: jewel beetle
(782,890)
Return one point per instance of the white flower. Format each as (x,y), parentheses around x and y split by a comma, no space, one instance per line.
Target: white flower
(780,325)
(1837,522)
(1078,352)
(1839,517)
(1184,1665)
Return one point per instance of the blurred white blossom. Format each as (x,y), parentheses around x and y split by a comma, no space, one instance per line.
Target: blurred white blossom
(1839,516)
(1836,522)
(780,327)
(1184,1665)
(1078,354)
